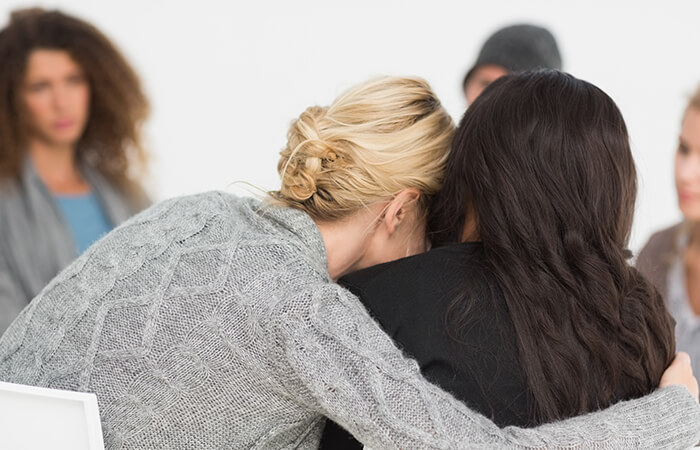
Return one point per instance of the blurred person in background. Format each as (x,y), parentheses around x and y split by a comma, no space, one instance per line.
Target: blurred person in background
(71,114)
(514,48)
(671,257)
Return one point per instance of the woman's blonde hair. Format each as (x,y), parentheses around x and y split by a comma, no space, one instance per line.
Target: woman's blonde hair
(375,140)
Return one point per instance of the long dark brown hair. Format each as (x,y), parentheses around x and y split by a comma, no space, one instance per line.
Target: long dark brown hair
(111,141)
(543,161)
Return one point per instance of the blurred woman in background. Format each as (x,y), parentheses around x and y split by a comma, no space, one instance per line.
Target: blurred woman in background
(70,148)
(671,257)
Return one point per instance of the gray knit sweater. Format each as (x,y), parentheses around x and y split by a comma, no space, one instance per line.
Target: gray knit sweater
(211,322)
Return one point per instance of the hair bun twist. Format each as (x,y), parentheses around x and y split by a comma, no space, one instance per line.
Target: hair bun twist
(306,156)
(373,141)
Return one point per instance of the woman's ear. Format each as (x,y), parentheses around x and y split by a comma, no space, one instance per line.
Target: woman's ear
(399,208)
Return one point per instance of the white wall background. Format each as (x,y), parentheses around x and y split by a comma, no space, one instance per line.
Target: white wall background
(225,78)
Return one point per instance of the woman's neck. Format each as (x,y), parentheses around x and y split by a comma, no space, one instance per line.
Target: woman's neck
(347,240)
(57,168)
(345,244)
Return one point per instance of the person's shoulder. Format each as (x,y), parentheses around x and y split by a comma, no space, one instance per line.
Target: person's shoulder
(660,243)
(655,257)
(384,273)
(189,221)
(666,234)
(212,203)
(12,199)
(445,260)
(465,251)
(205,200)
(9,187)
(434,258)
(438,265)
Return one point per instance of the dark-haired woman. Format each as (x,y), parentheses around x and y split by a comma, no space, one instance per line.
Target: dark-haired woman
(69,142)
(531,314)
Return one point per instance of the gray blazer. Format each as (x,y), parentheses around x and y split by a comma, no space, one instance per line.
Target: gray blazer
(35,241)
(654,260)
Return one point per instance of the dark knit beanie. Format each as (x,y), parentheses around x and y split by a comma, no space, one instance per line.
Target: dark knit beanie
(517,48)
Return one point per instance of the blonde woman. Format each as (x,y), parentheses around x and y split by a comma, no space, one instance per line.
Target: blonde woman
(671,257)
(214,321)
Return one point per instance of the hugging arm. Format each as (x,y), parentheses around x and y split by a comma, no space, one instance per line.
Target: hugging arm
(337,361)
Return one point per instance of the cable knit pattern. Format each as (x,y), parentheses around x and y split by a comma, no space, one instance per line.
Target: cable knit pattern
(211,322)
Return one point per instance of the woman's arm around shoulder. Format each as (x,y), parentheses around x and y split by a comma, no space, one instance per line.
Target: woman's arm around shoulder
(342,365)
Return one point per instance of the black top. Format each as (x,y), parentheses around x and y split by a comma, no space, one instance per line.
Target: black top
(410,300)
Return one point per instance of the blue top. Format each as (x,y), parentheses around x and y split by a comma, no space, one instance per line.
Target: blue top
(85,218)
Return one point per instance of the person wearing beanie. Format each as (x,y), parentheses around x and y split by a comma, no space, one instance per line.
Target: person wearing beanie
(515,48)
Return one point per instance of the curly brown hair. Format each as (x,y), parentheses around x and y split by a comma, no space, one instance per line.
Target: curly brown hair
(111,141)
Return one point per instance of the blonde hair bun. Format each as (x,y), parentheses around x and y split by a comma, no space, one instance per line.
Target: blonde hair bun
(373,141)
(305,157)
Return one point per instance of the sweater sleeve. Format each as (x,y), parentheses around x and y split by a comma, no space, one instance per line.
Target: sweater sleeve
(333,359)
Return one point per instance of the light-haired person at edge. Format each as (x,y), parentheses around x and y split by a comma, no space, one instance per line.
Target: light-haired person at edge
(515,48)
(212,321)
(528,278)
(671,257)
(70,143)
